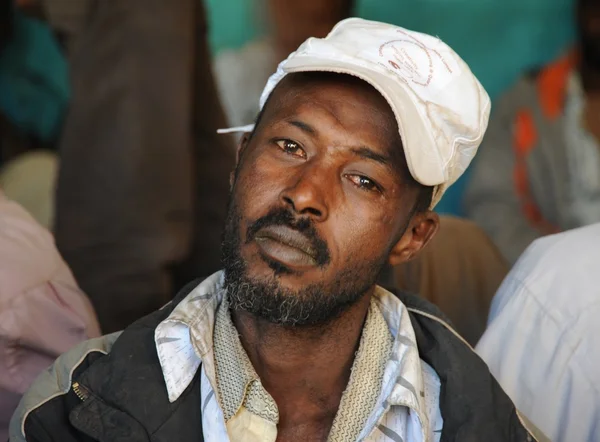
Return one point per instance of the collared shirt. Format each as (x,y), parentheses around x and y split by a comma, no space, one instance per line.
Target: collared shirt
(407,407)
(251,414)
(542,338)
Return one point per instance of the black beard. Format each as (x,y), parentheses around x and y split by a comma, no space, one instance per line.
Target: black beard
(313,305)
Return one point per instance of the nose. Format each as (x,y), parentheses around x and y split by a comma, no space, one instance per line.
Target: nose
(306,195)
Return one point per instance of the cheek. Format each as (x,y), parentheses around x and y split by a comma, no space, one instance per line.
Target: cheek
(362,234)
(257,187)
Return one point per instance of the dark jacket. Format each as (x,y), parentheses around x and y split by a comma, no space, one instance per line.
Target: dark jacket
(117,393)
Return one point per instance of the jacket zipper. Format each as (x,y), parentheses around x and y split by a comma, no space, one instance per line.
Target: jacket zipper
(80,391)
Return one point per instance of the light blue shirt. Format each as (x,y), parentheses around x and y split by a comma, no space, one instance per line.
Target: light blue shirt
(542,338)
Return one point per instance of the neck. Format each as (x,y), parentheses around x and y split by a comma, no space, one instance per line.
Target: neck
(304,369)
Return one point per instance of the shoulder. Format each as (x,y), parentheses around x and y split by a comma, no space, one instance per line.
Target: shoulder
(559,272)
(28,255)
(471,395)
(56,381)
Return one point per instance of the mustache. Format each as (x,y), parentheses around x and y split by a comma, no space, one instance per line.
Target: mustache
(284,217)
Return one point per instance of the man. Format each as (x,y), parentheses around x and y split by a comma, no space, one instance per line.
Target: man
(539,168)
(541,341)
(359,135)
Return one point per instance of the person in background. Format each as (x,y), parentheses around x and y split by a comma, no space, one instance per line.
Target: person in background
(542,337)
(294,341)
(144,178)
(538,172)
(43,313)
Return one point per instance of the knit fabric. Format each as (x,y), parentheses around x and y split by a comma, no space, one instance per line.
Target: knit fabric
(238,383)
(366,378)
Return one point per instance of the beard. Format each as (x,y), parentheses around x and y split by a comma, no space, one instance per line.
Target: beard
(265,298)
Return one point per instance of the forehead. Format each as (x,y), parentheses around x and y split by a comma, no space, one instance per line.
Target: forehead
(337,103)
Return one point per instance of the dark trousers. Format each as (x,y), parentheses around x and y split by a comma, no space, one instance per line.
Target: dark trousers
(144,178)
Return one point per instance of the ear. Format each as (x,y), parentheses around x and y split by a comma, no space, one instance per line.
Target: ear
(241,148)
(422,227)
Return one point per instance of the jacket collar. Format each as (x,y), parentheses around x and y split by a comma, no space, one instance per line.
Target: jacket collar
(129,402)
(184,340)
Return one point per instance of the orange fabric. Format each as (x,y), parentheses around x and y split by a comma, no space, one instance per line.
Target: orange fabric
(552,88)
(525,132)
(552,84)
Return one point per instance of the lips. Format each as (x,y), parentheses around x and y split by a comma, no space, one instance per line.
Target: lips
(284,244)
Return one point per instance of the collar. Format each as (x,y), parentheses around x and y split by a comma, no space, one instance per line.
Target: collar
(238,384)
(185,340)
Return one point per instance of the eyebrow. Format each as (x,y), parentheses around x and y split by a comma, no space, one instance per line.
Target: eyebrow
(303,127)
(363,151)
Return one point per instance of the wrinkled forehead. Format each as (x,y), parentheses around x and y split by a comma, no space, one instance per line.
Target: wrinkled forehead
(344,96)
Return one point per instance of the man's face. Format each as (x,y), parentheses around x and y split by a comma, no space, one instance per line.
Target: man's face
(321,196)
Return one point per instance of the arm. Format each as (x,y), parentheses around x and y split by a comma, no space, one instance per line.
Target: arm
(213,159)
(124,198)
(42,311)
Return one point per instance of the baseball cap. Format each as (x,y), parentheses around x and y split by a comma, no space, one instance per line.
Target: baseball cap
(441,109)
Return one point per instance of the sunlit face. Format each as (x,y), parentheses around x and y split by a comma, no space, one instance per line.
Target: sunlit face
(320,198)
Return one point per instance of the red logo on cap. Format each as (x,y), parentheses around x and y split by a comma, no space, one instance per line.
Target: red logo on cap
(409,57)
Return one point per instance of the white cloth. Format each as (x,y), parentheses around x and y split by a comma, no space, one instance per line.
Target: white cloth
(541,342)
(408,405)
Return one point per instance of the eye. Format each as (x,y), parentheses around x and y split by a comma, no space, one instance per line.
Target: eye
(364,183)
(291,147)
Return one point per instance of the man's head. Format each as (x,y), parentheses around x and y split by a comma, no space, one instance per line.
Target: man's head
(322,199)
(589,28)
(359,135)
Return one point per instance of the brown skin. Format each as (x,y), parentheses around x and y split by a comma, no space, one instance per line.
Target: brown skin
(303,155)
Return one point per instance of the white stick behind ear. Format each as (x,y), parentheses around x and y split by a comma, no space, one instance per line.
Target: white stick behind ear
(230,130)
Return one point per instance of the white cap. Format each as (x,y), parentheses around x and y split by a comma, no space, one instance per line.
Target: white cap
(441,108)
